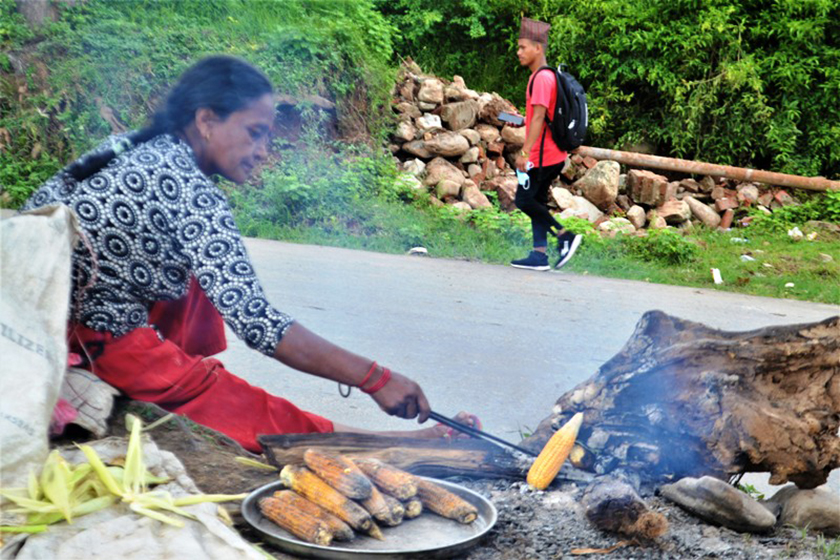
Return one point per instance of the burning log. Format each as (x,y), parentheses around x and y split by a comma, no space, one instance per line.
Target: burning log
(612,503)
(681,399)
(426,457)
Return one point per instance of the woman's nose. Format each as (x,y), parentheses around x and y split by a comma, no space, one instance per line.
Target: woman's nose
(262,149)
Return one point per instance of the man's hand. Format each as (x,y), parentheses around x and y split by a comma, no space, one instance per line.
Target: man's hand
(521,162)
(402,397)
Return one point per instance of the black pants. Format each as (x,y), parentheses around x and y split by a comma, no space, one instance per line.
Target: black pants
(533,200)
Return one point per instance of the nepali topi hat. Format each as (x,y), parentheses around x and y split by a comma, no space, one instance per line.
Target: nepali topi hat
(534,30)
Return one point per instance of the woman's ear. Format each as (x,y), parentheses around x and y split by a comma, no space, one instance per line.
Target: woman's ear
(205,120)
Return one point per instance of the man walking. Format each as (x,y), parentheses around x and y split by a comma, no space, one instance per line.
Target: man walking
(540,160)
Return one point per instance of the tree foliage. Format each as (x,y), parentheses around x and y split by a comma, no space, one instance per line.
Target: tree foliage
(742,82)
(126,55)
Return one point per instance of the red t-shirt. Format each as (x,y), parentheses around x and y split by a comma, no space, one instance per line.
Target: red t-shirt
(545,86)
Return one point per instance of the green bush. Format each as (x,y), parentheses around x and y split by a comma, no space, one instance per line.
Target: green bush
(818,206)
(663,245)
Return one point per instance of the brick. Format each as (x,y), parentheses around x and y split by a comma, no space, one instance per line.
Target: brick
(690,185)
(569,170)
(726,219)
(765,199)
(723,204)
(590,162)
(497,148)
(647,187)
(783,198)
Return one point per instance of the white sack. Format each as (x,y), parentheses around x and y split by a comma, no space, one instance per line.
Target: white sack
(34,299)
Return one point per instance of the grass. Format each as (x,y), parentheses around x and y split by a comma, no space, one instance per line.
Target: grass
(778,262)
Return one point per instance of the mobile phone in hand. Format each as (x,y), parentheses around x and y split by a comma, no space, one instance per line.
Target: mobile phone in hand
(515,120)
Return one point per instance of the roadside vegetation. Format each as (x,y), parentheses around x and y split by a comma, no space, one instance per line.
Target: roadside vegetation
(663,80)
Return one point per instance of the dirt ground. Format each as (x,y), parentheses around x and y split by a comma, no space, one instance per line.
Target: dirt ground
(531,525)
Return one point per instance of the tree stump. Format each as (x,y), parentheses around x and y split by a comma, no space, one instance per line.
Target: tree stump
(681,399)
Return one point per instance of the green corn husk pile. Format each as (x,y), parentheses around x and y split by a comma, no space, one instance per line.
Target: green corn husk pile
(64,492)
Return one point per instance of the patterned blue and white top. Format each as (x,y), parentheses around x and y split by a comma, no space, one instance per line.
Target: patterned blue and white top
(153,219)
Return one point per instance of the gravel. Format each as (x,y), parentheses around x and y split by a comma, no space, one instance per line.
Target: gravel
(551,524)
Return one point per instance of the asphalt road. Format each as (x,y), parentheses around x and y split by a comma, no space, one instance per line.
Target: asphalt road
(499,342)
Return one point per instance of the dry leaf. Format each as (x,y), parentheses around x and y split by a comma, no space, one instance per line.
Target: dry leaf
(613,548)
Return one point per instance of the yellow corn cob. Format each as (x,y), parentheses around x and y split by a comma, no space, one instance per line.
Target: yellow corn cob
(444,503)
(413,508)
(339,472)
(396,508)
(340,530)
(390,480)
(307,484)
(381,509)
(554,454)
(297,522)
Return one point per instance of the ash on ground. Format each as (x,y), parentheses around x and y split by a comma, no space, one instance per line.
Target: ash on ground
(535,525)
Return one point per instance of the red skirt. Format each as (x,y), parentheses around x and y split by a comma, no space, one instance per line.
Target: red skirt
(174,372)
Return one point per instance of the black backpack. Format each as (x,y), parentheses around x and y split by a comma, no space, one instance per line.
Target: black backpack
(571,116)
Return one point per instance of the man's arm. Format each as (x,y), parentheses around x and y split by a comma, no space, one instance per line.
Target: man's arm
(304,350)
(534,130)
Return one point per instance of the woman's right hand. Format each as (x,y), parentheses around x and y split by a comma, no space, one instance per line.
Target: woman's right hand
(402,397)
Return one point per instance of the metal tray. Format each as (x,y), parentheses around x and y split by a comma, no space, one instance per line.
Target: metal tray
(427,536)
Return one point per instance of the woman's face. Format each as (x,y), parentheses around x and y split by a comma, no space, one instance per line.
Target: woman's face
(232,147)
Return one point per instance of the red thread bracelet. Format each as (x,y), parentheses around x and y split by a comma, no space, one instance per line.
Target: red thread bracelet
(369,373)
(386,377)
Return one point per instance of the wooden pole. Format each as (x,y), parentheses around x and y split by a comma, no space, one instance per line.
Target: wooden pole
(702,168)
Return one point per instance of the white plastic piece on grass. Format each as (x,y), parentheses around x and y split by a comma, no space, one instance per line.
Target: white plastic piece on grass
(716,276)
(795,234)
(790,285)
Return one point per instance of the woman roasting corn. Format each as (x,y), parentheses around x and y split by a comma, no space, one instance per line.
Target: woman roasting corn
(165,266)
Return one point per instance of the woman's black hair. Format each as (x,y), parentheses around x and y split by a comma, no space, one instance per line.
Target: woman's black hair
(224,84)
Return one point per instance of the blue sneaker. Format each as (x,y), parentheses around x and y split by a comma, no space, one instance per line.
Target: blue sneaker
(535,260)
(567,244)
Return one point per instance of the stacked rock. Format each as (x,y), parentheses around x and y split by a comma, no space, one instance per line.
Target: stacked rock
(450,140)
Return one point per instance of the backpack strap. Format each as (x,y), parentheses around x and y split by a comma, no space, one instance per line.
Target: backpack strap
(547,122)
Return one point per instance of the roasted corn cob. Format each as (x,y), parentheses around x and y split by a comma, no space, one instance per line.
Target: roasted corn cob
(382,510)
(297,522)
(554,454)
(307,484)
(397,510)
(445,503)
(581,458)
(341,531)
(413,507)
(390,480)
(339,472)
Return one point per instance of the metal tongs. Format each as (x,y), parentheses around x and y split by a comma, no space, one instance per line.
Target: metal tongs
(476,433)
